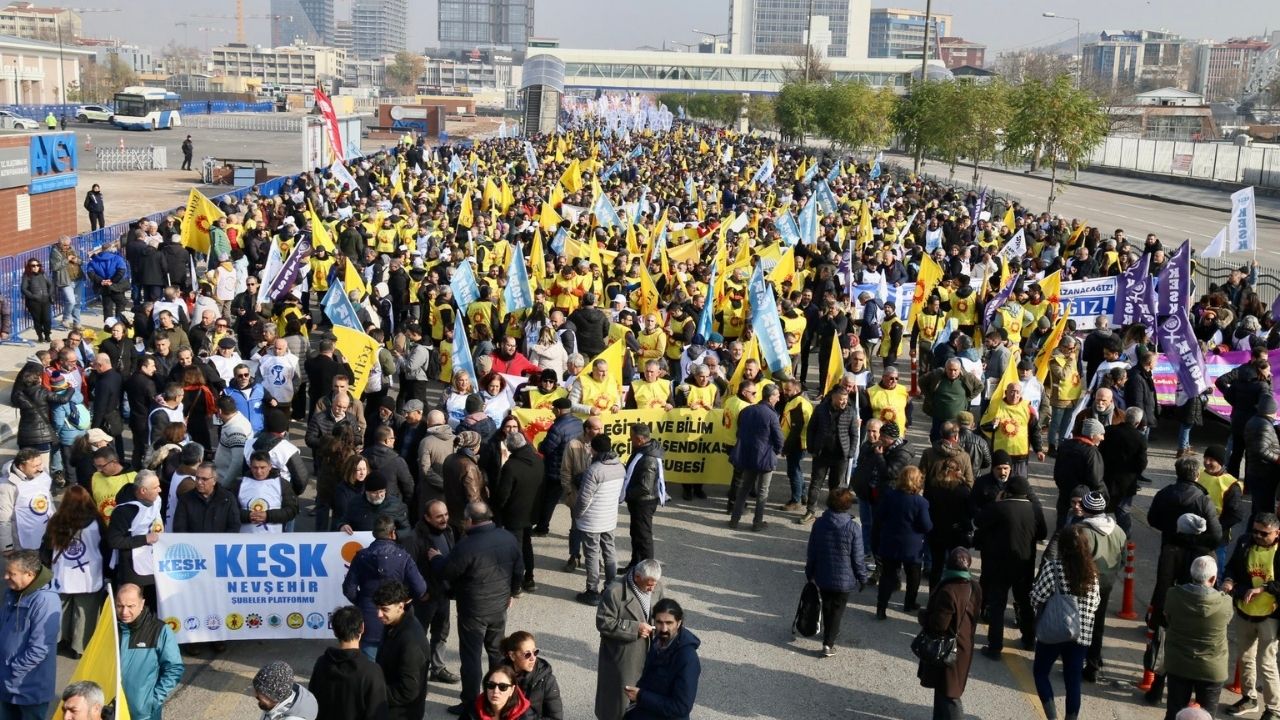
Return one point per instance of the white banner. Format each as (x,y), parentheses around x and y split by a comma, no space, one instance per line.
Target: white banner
(228,586)
(1089,300)
(1243,229)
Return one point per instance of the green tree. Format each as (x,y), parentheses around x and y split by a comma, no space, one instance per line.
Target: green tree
(401,75)
(795,109)
(922,116)
(853,114)
(985,109)
(1057,120)
(760,112)
(119,75)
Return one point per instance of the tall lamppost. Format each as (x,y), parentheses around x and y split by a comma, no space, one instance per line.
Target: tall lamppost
(1079,56)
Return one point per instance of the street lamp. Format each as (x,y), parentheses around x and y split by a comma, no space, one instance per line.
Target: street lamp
(1079,56)
(713,37)
(685,44)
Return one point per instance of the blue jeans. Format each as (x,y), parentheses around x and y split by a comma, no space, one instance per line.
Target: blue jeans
(1184,436)
(1073,655)
(10,711)
(70,303)
(1059,425)
(795,475)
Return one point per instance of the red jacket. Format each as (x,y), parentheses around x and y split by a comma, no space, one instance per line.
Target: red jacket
(517,365)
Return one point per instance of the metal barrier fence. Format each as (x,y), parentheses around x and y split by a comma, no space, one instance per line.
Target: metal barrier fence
(1222,162)
(89,243)
(192,107)
(119,159)
(248,123)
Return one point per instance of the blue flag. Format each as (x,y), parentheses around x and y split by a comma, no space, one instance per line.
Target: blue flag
(605,213)
(461,356)
(826,199)
(705,324)
(517,294)
(766,322)
(809,221)
(338,308)
(530,157)
(611,170)
(637,152)
(557,241)
(688,187)
(787,228)
(463,284)
(810,174)
(835,171)
(875,171)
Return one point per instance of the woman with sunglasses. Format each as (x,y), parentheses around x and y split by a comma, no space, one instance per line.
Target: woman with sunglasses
(37,291)
(533,675)
(501,699)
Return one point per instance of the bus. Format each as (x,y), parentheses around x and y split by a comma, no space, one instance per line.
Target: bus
(147,108)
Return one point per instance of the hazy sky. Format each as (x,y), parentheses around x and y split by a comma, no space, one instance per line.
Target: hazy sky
(625,24)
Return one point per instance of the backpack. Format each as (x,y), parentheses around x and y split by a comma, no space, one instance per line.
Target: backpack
(78,416)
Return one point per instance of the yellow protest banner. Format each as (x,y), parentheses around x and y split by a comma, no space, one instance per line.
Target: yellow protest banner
(201,212)
(360,351)
(1055,337)
(687,253)
(928,278)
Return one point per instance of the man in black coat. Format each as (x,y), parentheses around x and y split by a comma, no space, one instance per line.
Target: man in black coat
(208,508)
(515,497)
(1124,458)
(362,512)
(402,654)
(434,533)
(130,532)
(592,326)
(1078,463)
(485,570)
(345,682)
(386,464)
(1140,391)
(832,440)
(1007,533)
(108,398)
(642,491)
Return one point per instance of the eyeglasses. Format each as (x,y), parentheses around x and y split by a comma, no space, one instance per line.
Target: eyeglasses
(242,375)
(501,687)
(530,654)
(205,478)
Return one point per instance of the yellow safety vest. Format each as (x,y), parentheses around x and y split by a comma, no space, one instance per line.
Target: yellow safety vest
(732,408)
(104,489)
(886,335)
(480,312)
(386,241)
(734,318)
(674,346)
(1011,428)
(1037,311)
(1261,564)
(928,326)
(652,345)
(1069,388)
(806,411)
(965,309)
(1217,486)
(1012,322)
(539,400)
(437,322)
(320,272)
(794,326)
(701,398)
(651,395)
(566,300)
(890,405)
(600,395)
(446,361)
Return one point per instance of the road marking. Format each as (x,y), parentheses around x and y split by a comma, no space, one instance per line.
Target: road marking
(1021,671)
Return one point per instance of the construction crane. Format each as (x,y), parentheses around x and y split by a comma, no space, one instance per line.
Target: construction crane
(240,17)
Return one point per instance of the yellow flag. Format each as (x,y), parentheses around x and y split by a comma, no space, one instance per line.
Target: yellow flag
(612,355)
(508,197)
(1046,351)
(864,224)
(1051,288)
(928,278)
(703,147)
(633,243)
(785,269)
(466,218)
(1008,217)
(1009,377)
(492,195)
(750,352)
(1076,235)
(687,253)
(360,351)
(320,236)
(351,280)
(572,177)
(557,196)
(549,218)
(101,660)
(835,366)
(537,259)
(647,299)
(201,212)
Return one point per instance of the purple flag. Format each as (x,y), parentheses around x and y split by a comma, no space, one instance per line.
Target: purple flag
(977,207)
(284,280)
(1178,342)
(1135,297)
(999,300)
(1175,281)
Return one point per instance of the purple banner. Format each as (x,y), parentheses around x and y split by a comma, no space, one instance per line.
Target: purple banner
(1135,297)
(1167,382)
(1178,341)
(284,280)
(999,300)
(1175,281)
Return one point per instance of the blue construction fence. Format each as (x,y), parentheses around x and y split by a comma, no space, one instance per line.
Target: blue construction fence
(189,107)
(11,268)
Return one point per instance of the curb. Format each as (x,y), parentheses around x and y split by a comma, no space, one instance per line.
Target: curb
(1127,193)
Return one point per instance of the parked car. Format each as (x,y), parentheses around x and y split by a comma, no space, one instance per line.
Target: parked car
(16,122)
(94,113)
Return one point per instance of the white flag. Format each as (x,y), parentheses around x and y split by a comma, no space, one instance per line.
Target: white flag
(1243,229)
(1016,247)
(1216,245)
(342,175)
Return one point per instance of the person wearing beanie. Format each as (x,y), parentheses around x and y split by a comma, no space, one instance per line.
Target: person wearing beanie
(1106,541)
(1262,454)
(954,608)
(464,481)
(282,454)
(541,395)
(1250,578)
(1079,463)
(987,487)
(476,419)
(1178,549)
(363,511)
(1226,492)
(279,697)
(1008,528)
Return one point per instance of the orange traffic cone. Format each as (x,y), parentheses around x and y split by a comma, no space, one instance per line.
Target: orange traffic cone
(1235,683)
(1148,679)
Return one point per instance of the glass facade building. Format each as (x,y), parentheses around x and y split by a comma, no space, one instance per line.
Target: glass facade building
(469,24)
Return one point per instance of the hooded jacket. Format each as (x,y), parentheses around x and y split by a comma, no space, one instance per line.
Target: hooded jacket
(300,705)
(29,623)
(346,685)
(595,508)
(381,562)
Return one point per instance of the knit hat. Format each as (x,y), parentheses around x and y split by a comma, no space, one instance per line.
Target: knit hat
(1191,524)
(1216,452)
(375,482)
(1000,457)
(548,376)
(275,421)
(1092,428)
(1094,503)
(890,430)
(1267,405)
(274,680)
(965,418)
(192,454)
(469,439)
(474,404)
(227,343)
(388,402)
(58,381)
(1017,486)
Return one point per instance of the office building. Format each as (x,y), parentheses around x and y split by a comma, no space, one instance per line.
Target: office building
(957,52)
(1138,60)
(778,27)
(343,36)
(1222,69)
(137,59)
(899,33)
(25,20)
(294,66)
(379,28)
(320,14)
(468,24)
(290,24)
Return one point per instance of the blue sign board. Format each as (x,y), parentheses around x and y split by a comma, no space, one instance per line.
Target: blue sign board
(54,161)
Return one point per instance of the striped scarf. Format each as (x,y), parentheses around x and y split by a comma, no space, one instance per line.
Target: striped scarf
(645,598)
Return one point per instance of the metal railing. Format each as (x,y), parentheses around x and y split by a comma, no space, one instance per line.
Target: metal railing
(1214,161)
(120,159)
(247,123)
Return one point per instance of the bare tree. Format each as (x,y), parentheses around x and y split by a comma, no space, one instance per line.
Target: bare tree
(809,66)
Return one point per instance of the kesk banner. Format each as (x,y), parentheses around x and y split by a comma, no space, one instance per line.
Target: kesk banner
(230,586)
(693,441)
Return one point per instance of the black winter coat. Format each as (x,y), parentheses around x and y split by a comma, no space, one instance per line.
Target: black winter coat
(360,514)
(832,432)
(1140,391)
(592,328)
(1124,458)
(385,463)
(1007,532)
(347,684)
(177,264)
(644,479)
(219,513)
(514,496)
(403,657)
(1171,503)
(484,570)
(35,423)
(1078,463)
(541,690)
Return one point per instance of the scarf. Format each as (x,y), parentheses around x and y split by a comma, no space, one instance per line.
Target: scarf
(631,467)
(949,574)
(645,598)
